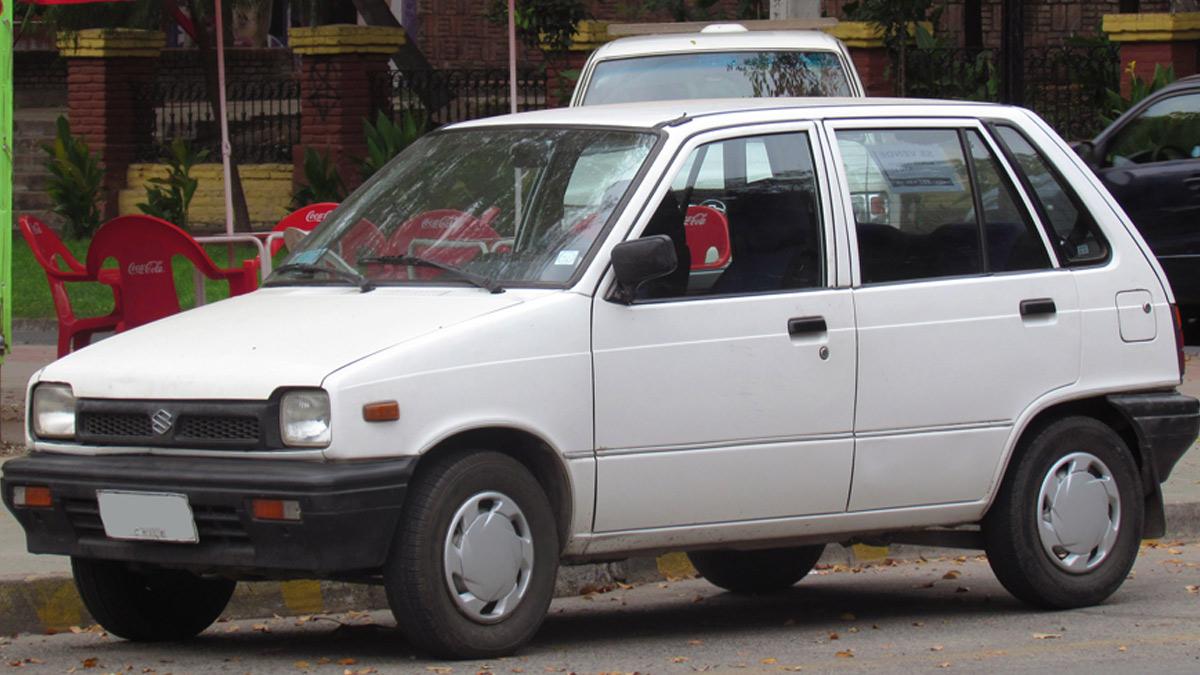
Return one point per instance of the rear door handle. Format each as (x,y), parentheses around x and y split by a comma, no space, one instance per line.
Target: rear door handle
(1038,307)
(807,325)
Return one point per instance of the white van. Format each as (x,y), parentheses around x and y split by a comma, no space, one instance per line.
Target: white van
(721,61)
(586,333)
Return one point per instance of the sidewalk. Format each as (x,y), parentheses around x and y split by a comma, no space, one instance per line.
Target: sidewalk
(37,595)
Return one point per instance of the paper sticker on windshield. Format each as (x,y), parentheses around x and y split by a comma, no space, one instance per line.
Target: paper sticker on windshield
(567,258)
(305,257)
(910,167)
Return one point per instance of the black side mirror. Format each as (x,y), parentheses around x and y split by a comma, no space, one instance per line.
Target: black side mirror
(640,260)
(1087,151)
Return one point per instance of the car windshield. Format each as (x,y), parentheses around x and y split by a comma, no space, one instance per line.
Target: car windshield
(750,74)
(489,206)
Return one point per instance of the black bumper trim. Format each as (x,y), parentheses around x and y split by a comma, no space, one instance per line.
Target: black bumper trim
(1166,424)
(349,511)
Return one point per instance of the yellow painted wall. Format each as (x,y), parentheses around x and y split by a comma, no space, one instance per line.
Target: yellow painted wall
(268,190)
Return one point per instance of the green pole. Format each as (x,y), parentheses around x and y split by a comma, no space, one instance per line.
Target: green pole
(6,166)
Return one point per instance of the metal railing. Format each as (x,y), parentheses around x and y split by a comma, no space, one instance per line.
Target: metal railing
(264,119)
(448,96)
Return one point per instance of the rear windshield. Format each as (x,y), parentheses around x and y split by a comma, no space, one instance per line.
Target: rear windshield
(752,74)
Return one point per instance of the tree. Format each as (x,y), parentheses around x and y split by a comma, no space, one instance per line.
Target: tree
(893,18)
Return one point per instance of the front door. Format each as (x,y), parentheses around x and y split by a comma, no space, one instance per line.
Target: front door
(725,392)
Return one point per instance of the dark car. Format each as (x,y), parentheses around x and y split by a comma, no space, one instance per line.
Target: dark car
(1149,158)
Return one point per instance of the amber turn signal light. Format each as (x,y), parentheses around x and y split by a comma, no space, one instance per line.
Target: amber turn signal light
(32,496)
(381,411)
(275,509)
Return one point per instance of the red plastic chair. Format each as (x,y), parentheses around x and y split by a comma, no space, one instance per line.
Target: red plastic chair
(707,238)
(144,247)
(448,236)
(306,218)
(73,332)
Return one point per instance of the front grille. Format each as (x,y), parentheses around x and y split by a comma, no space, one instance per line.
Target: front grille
(218,428)
(122,425)
(226,425)
(214,524)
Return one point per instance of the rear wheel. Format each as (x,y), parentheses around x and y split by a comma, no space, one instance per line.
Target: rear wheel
(1065,526)
(151,605)
(472,569)
(759,571)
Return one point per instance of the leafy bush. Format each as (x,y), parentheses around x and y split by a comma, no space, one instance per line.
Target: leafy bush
(549,22)
(1115,104)
(385,139)
(75,181)
(323,183)
(169,198)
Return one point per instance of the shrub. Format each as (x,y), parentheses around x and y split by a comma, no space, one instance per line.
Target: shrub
(169,198)
(323,183)
(385,139)
(75,181)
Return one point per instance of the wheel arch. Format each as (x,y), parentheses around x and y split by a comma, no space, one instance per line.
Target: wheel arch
(1100,408)
(532,451)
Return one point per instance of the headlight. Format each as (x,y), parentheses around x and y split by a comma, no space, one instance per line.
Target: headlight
(53,411)
(304,419)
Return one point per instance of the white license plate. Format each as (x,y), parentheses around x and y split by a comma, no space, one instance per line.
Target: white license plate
(147,516)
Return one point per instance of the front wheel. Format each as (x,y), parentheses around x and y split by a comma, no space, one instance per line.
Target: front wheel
(1065,526)
(472,570)
(759,571)
(149,605)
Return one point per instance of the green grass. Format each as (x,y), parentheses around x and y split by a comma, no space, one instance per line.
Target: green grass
(31,292)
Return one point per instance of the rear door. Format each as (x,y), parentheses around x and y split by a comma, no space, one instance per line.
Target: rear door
(964,319)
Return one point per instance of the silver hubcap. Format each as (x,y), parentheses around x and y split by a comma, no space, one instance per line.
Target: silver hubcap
(488,557)
(1079,512)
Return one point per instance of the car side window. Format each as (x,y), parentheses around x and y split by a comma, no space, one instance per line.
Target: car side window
(914,207)
(744,217)
(1010,237)
(1166,130)
(1074,233)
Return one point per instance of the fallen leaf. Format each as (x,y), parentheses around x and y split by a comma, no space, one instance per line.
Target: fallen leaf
(918,624)
(944,664)
(936,648)
(347,662)
(1192,588)
(232,628)
(852,629)
(1122,648)
(262,628)
(91,662)
(834,636)
(952,574)
(962,589)
(1046,636)
(1175,551)
(792,669)
(769,661)
(302,665)
(439,669)
(679,659)
(845,654)
(928,585)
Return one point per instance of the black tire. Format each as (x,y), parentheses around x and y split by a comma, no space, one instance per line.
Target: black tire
(151,605)
(1015,549)
(761,571)
(415,578)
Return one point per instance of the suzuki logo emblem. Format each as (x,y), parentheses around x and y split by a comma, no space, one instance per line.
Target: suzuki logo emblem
(161,421)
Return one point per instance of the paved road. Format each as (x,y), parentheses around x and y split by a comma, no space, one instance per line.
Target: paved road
(945,615)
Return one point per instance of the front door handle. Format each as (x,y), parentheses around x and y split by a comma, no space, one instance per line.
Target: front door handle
(1038,307)
(807,325)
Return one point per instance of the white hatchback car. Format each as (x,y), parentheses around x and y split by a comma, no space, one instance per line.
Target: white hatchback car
(587,333)
(721,61)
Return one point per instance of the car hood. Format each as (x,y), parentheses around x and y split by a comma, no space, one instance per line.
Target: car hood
(246,347)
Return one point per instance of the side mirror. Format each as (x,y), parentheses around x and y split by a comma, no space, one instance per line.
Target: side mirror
(1087,151)
(640,260)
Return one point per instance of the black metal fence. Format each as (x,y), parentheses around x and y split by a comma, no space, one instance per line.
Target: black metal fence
(1065,84)
(264,119)
(446,96)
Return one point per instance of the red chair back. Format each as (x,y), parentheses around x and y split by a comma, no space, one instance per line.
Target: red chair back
(46,246)
(707,237)
(306,218)
(144,247)
(447,236)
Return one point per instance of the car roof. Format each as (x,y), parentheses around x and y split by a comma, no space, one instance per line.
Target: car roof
(645,115)
(675,43)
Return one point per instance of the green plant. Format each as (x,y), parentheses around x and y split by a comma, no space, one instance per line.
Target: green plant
(385,139)
(75,179)
(542,22)
(1115,103)
(322,181)
(934,71)
(169,198)
(892,18)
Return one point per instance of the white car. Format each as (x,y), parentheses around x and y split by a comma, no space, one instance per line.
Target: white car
(587,333)
(721,61)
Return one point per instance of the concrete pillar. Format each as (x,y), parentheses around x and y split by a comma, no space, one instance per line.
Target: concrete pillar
(1147,40)
(342,72)
(795,9)
(110,71)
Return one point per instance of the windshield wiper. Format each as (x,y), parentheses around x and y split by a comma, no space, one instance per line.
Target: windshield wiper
(364,284)
(470,277)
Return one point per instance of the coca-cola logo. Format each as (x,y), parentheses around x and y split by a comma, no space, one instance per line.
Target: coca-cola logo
(315,216)
(148,267)
(443,223)
(696,219)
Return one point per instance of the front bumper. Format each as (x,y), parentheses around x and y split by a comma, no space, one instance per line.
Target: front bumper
(349,511)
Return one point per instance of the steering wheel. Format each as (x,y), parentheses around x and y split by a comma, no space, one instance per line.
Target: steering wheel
(715,204)
(1166,153)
